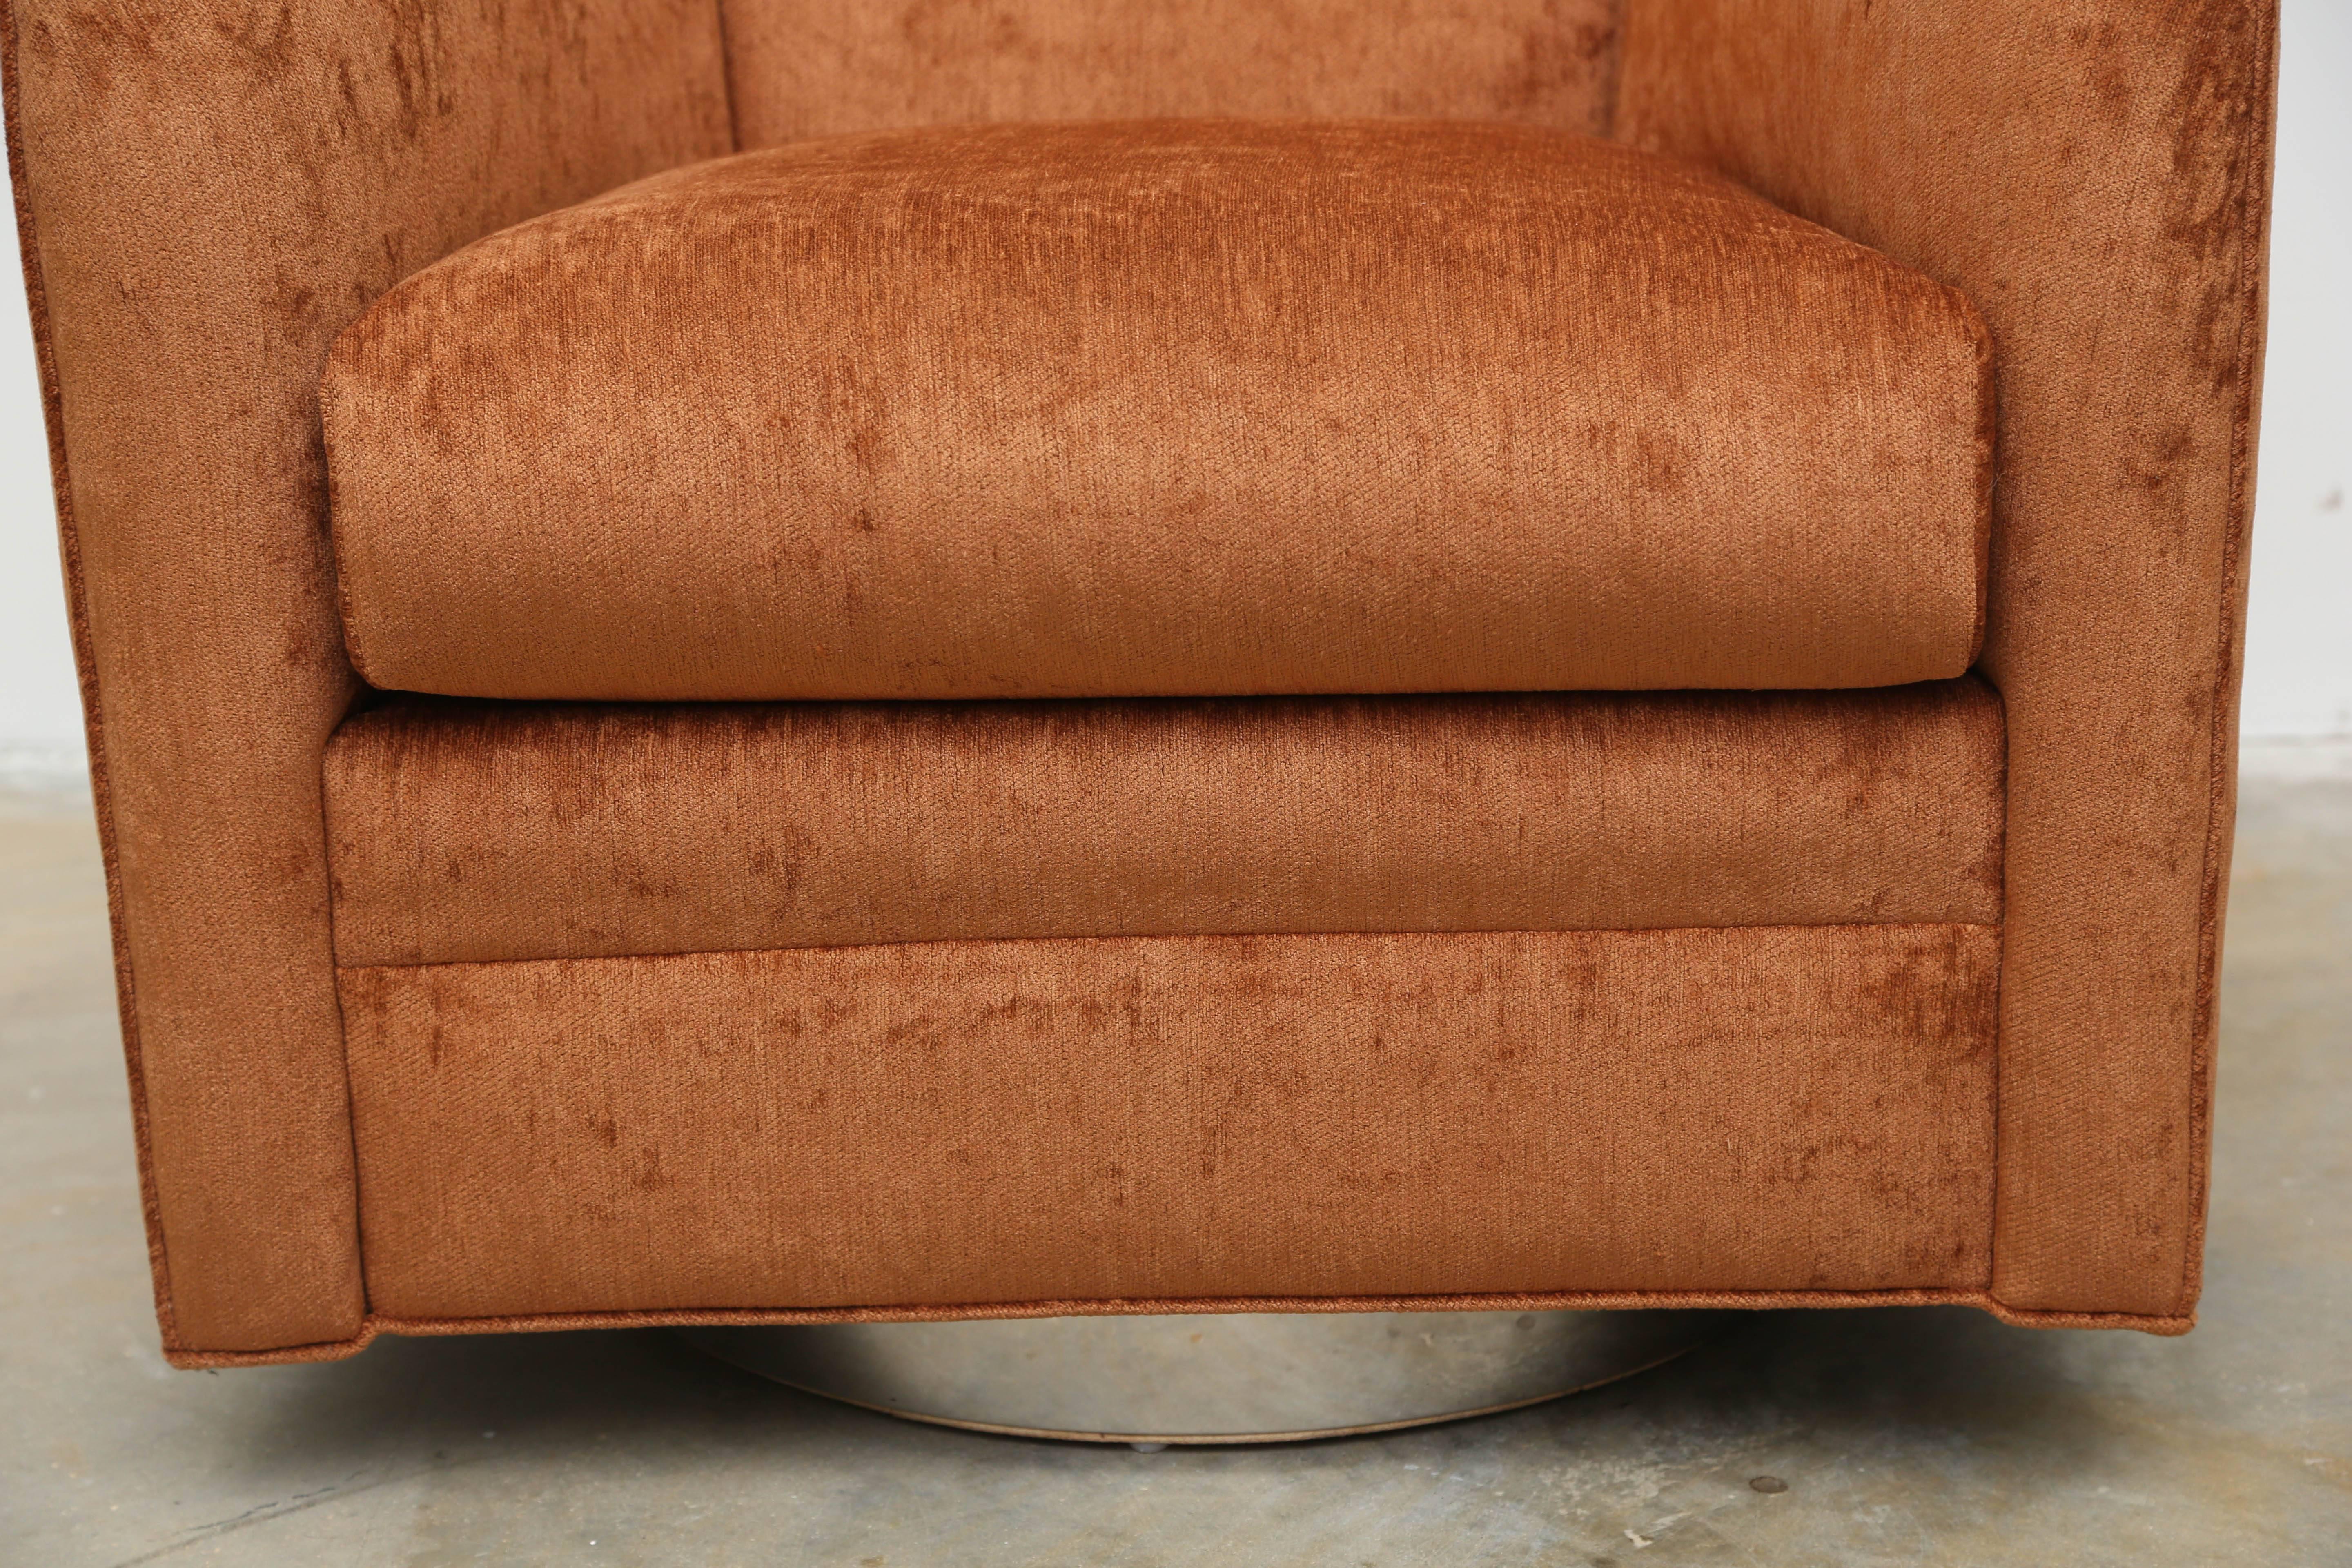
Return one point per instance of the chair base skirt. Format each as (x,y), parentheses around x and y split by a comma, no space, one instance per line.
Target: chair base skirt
(1246,1378)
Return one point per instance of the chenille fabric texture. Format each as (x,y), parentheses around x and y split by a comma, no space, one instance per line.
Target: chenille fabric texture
(478,832)
(798,68)
(1174,1118)
(207,192)
(1900,1073)
(929,1074)
(1180,407)
(2096,177)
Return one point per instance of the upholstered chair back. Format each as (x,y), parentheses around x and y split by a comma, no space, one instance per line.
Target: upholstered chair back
(811,68)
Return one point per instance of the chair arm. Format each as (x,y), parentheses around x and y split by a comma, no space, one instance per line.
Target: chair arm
(2094,175)
(207,192)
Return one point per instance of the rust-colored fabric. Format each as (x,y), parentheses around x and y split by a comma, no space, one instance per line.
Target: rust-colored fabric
(1763,1109)
(814,68)
(2094,175)
(478,831)
(207,191)
(1166,408)
(377,1323)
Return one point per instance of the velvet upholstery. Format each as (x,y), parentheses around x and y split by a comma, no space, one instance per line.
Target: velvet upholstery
(1164,1119)
(490,831)
(2095,176)
(816,67)
(209,191)
(1177,407)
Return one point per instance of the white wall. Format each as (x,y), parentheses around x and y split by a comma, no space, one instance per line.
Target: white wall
(2299,624)
(40,709)
(2299,646)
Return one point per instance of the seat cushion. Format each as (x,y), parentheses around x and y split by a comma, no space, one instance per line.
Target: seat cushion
(1166,407)
(472,831)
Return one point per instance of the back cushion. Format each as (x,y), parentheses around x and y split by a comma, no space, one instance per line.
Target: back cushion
(813,67)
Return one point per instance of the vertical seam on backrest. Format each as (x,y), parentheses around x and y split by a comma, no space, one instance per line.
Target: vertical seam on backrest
(1613,75)
(727,77)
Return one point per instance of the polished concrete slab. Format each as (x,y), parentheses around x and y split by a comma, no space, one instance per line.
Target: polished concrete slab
(1899,1437)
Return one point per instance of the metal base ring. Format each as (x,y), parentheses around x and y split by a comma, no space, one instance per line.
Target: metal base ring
(1243,1377)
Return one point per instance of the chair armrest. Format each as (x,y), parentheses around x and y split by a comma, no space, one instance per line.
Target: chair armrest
(207,192)
(2094,175)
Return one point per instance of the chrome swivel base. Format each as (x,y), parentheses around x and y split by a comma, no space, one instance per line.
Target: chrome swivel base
(1250,1377)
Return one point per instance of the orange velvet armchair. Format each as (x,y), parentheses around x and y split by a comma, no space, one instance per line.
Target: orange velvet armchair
(782,660)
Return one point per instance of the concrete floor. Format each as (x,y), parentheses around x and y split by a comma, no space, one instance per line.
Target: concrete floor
(1905,1437)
